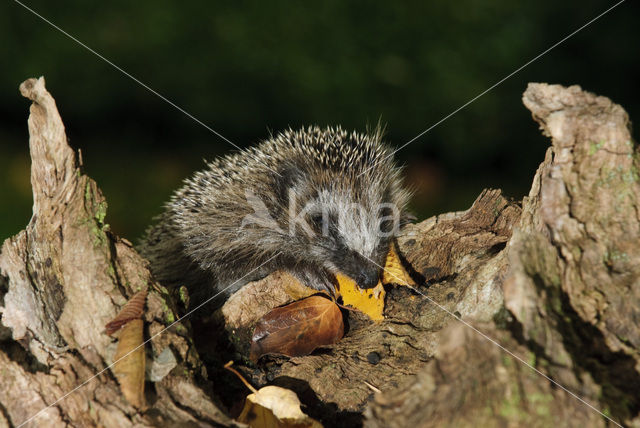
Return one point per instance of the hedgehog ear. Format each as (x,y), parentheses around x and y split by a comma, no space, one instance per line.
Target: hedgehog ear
(407,218)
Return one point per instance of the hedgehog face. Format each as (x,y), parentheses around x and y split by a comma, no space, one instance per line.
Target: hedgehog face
(352,235)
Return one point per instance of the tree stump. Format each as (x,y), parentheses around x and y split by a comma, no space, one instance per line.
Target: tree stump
(65,276)
(525,313)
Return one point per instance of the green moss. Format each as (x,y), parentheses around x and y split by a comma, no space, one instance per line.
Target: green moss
(532,359)
(101,213)
(627,176)
(630,176)
(87,192)
(111,271)
(506,361)
(235,339)
(169,316)
(513,408)
(594,147)
(510,407)
(612,256)
(99,238)
(163,289)
(183,294)
(98,213)
(556,303)
(540,403)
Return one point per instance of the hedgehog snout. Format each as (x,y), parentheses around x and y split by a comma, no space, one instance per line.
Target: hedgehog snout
(368,277)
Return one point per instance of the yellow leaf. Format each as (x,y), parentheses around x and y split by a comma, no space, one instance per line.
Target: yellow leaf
(370,301)
(394,271)
(275,407)
(130,361)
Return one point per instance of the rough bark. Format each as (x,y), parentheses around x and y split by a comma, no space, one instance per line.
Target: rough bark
(574,286)
(65,276)
(571,292)
(553,281)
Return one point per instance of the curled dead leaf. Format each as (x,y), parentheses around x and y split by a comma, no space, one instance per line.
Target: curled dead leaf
(131,311)
(297,328)
(273,406)
(130,363)
(394,271)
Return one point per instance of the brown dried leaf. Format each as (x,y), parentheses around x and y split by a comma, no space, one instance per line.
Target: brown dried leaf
(131,311)
(275,407)
(130,362)
(298,328)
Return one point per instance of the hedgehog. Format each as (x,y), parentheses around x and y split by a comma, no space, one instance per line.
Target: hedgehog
(314,202)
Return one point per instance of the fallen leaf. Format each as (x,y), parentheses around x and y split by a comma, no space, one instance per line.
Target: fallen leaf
(297,328)
(275,407)
(131,311)
(129,363)
(394,271)
(369,301)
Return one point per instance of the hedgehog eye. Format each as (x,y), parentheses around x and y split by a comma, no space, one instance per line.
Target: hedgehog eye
(387,221)
(316,222)
(386,225)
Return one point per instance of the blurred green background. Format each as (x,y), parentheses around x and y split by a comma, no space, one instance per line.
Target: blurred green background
(250,68)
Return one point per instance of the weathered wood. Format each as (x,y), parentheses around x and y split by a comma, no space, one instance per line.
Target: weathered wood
(553,280)
(575,259)
(462,255)
(66,276)
(570,294)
